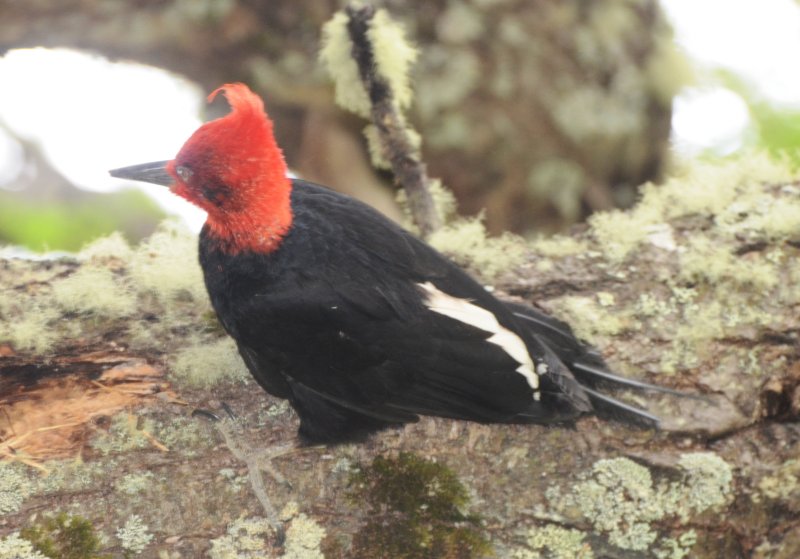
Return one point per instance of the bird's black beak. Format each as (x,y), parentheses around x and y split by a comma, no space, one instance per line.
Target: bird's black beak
(154,172)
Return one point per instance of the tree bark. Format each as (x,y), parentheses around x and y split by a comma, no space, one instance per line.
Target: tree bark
(732,457)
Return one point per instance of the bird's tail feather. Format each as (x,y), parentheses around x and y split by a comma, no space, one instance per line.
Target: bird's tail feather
(589,368)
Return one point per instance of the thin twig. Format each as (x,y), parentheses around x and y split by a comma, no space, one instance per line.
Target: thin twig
(406,165)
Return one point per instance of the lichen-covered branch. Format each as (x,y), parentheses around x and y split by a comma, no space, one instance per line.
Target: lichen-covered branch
(393,132)
(697,288)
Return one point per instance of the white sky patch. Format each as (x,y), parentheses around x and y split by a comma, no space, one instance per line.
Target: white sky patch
(91,115)
(709,119)
(758,41)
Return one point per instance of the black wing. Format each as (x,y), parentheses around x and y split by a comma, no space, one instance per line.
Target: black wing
(337,321)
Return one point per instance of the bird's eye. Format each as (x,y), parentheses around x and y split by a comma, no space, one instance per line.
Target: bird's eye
(185,173)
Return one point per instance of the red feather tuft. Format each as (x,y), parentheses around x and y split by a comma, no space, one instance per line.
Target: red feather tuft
(236,172)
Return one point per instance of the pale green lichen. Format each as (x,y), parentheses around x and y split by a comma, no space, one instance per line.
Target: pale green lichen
(394,56)
(204,364)
(15,487)
(783,484)
(134,483)
(559,245)
(113,246)
(303,539)
(620,499)
(95,290)
(375,147)
(560,181)
(166,265)
(468,243)
(13,546)
(558,543)
(152,292)
(590,318)
(27,323)
(246,538)
(126,432)
(465,240)
(676,548)
(134,536)
(721,191)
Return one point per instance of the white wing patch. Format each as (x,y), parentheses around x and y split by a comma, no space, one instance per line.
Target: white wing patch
(469,313)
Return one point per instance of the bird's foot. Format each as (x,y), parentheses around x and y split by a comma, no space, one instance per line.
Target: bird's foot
(257,460)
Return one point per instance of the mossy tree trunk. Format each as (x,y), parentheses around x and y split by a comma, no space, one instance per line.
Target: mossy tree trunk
(695,293)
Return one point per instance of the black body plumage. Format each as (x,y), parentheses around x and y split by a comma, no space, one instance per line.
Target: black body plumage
(342,320)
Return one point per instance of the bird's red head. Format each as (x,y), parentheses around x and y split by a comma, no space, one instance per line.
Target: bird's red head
(233,169)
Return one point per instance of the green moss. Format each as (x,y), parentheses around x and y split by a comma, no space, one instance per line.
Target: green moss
(65,537)
(620,499)
(415,510)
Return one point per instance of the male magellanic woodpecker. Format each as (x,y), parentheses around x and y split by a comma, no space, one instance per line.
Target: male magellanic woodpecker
(354,321)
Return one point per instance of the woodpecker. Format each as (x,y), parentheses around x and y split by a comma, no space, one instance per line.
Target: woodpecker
(356,322)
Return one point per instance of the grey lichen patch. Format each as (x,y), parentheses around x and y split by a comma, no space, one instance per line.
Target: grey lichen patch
(620,499)
(676,548)
(13,546)
(15,487)
(253,538)
(135,482)
(129,432)
(126,432)
(303,535)
(556,542)
(245,538)
(718,245)
(782,485)
(134,536)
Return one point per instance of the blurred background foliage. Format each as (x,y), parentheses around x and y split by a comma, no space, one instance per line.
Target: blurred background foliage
(536,113)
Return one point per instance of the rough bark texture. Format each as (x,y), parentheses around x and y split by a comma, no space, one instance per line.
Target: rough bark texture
(693,292)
